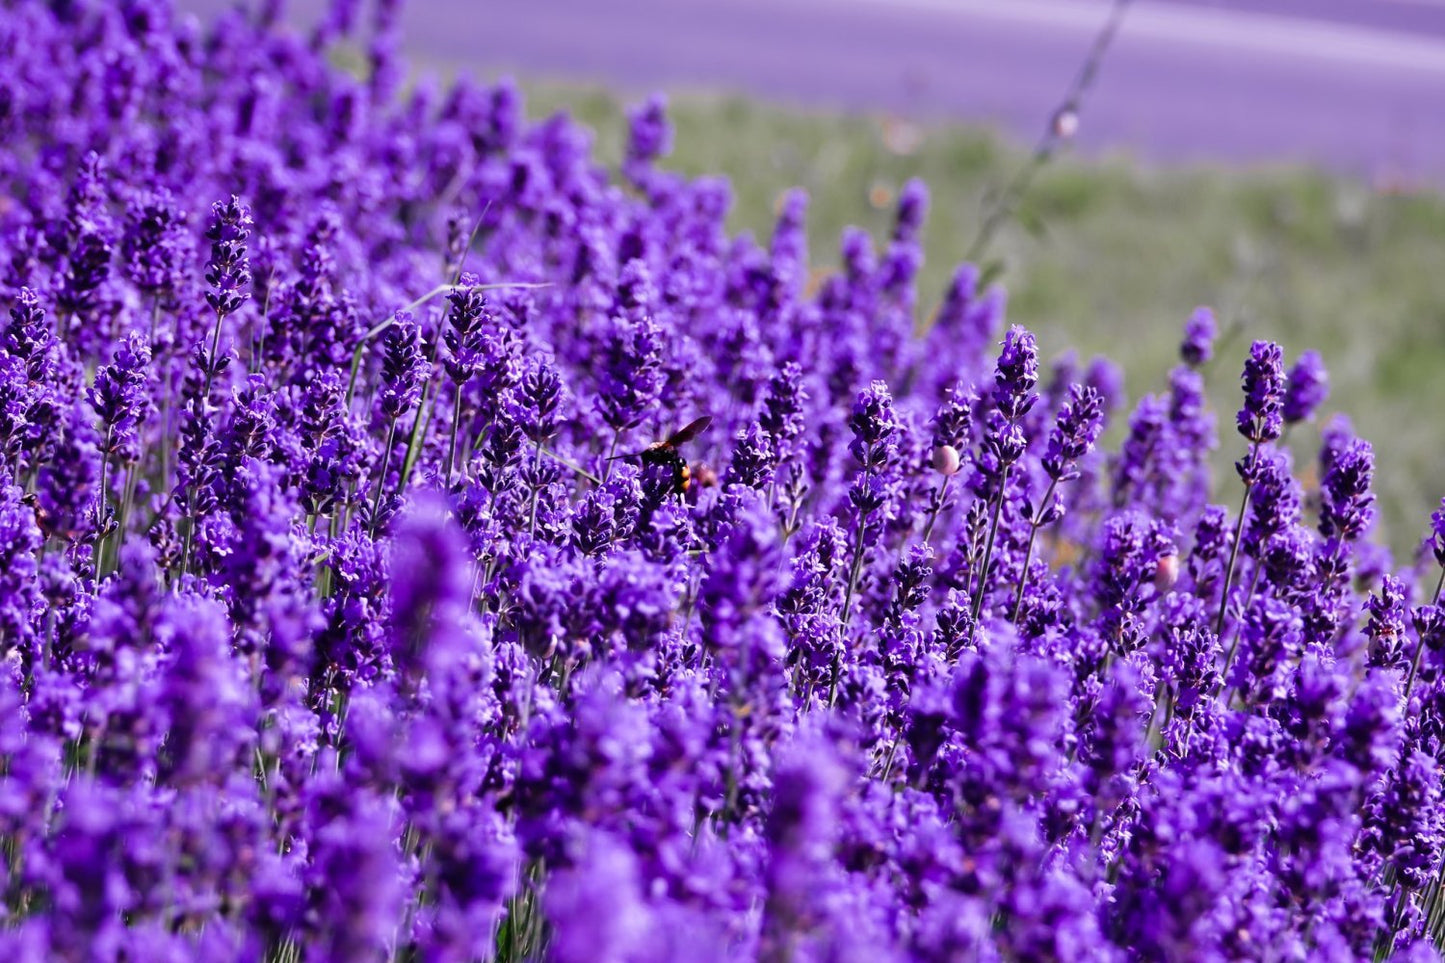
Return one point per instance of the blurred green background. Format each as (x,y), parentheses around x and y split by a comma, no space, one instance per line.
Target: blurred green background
(1109,256)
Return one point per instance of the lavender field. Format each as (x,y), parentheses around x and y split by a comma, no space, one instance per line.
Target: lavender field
(420,540)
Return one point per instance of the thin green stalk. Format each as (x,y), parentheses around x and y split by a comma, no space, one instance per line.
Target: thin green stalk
(1234,642)
(456,427)
(100,516)
(1005,203)
(413,445)
(186,545)
(381,326)
(988,547)
(937,507)
(1420,645)
(1029,552)
(211,360)
(115,543)
(1162,702)
(381,477)
(892,754)
(575,468)
(855,569)
(378,328)
(1229,571)
(532,513)
(611,454)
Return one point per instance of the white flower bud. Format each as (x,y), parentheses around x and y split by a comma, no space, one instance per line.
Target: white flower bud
(946,460)
(1166,572)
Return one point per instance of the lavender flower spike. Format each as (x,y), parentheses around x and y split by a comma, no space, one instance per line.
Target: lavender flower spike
(1262,417)
(1081,418)
(1199,334)
(1307,388)
(229,269)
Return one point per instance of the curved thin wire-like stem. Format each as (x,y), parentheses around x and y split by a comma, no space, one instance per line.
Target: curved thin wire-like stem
(1005,202)
(1034,527)
(381,477)
(936,508)
(1229,571)
(381,326)
(988,547)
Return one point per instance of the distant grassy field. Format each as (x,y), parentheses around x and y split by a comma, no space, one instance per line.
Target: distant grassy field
(1119,253)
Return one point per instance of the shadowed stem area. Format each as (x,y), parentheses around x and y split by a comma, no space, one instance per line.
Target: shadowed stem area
(1034,527)
(1229,569)
(988,547)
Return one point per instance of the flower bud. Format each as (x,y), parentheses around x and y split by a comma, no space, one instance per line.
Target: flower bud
(1166,571)
(1066,123)
(946,460)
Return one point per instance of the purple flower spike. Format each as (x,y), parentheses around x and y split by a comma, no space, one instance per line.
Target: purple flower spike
(1017,373)
(1199,334)
(1307,388)
(404,366)
(332,629)
(1346,500)
(1437,533)
(650,132)
(1386,625)
(119,396)
(229,269)
(1261,419)
(873,425)
(1081,418)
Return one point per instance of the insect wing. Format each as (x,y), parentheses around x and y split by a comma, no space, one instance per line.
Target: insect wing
(688,433)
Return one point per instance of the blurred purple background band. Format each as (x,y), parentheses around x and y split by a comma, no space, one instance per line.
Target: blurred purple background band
(1356,86)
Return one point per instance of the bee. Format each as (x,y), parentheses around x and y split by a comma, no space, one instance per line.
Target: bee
(43,521)
(703,475)
(664,454)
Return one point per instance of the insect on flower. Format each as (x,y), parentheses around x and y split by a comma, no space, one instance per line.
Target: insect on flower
(664,454)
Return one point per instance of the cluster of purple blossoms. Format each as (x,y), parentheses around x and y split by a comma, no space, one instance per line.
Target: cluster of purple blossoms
(353,606)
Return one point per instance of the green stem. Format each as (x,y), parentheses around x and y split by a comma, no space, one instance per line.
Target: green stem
(988,547)
(211,361)
(381,326)
(190,521)
(855,569)
(1420,645)
(381,477)
(1029,552)
(456,427)
(937,507)
(120,516)
(1229,570)
(1005,202)
(611,454)
(532,514)
(413,445)
(100,515)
